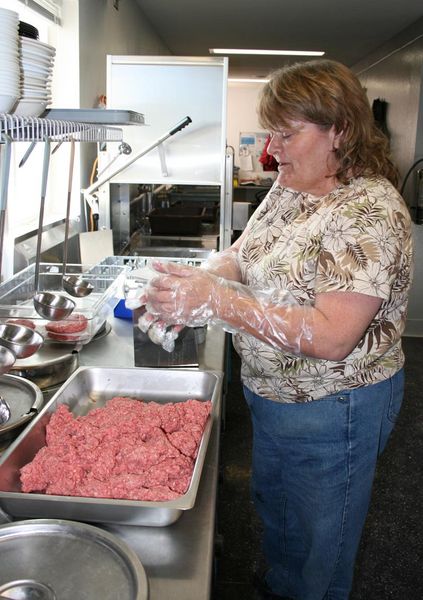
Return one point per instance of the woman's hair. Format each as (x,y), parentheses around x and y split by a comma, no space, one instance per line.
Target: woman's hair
(327,93)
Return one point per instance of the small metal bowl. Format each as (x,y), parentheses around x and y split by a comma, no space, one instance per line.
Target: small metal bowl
(7,359)
(76,286)
(22,341)
(53,307)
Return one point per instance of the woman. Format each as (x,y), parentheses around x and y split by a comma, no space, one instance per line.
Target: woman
(315,291)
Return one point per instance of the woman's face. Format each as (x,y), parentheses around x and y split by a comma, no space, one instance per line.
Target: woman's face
(306,157)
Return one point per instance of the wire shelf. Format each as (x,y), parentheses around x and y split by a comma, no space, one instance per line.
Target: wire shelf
(35,129)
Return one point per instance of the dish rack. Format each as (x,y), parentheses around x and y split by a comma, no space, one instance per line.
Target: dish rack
(15,128)
(16,298)
(34,129)
(132,263)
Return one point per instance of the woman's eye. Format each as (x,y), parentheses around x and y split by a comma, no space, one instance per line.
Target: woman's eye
(283,135)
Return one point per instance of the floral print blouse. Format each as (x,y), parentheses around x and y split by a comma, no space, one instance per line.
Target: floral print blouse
(358,238)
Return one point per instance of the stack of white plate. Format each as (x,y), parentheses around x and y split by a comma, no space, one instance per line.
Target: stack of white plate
(36,60)
(9,60)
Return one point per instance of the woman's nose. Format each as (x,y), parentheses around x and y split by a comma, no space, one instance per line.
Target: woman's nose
(272,146)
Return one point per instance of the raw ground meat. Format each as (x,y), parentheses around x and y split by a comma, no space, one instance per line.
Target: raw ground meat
(64,330)
(128,449)
(24,322)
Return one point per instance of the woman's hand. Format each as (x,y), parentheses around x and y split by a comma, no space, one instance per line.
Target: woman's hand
(181,295)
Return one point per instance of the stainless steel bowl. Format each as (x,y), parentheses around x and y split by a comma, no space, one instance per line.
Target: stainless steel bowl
(76,286)
(7,359)
(22,341)
(53,307)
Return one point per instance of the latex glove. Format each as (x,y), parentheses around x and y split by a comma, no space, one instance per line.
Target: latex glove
(182,294)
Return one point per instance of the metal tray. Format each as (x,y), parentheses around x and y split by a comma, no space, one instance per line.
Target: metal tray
(53,559)
(50,366)
(25,400)
(97,115)
(88,388)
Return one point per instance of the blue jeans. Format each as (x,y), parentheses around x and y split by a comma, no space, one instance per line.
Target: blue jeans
(312,474)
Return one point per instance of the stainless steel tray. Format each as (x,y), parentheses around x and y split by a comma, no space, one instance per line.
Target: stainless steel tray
(25,400)
(96,115)
(56,559)
(88,388)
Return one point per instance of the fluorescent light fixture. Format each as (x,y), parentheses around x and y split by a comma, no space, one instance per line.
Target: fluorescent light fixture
(265,52)
(248,80)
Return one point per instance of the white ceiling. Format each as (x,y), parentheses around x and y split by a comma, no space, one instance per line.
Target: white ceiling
(347,30)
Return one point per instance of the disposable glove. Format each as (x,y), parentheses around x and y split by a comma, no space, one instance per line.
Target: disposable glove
(191,296)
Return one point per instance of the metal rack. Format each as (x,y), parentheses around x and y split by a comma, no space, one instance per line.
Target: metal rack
(34,129)
(15,128)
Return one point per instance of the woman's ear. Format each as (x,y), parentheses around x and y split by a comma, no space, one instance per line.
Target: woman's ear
(337,137)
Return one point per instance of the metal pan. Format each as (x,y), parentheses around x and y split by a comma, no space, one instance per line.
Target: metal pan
(89,388)
(24,399)
(52,365)
(55,559)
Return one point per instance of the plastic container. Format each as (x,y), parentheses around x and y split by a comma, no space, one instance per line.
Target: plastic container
(121,312)
(16,299)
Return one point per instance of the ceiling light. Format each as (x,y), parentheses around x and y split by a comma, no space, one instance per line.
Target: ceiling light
(248,80)
(265,52)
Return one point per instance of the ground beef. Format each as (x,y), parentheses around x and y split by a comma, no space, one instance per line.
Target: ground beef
(128,449)
(24,322)
(65,331)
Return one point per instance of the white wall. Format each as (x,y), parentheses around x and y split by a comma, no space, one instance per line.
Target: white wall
(104,30)
(242,117)
(395,73)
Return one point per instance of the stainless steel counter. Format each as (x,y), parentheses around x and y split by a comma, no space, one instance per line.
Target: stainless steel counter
(178,559)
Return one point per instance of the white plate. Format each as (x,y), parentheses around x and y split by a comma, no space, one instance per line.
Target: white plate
(28,81)
(9,79)
(10,76)
(6,13)
(9,54)
(9,67)
(32,93)
(9,71)
(33,68)
(9,33)
(27,72)
(38,44)
(36,58)
(30,108)
(31,98)
(35,65)
(9,57)
(7,102)
(9,28)
(15,91)
(9,47)
(38,51)
(37,90)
